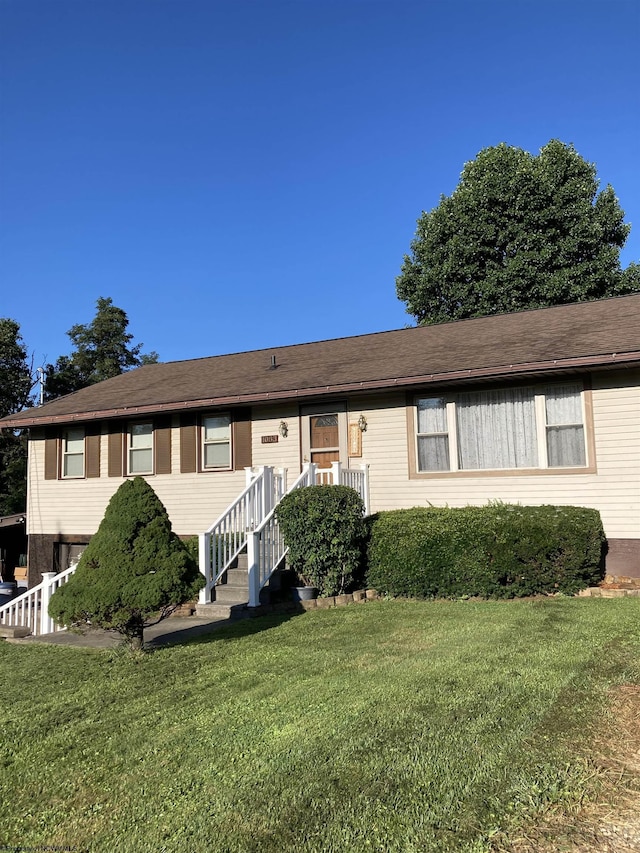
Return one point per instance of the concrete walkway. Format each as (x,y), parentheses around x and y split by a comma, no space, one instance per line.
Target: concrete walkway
(175,629)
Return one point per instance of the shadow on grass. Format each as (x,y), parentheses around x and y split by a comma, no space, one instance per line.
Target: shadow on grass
(227,629)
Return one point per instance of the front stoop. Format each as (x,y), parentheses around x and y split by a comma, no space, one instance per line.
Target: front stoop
(231,594)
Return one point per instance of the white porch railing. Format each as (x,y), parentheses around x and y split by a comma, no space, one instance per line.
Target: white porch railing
(227,537)
(31,609)
(265,544)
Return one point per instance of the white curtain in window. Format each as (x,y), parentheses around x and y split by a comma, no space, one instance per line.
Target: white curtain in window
(433,441)
(565,430)
(497,429)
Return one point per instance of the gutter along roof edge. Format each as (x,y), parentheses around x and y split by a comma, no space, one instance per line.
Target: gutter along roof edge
(580,362)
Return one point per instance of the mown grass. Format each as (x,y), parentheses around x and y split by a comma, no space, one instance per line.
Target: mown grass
(393,726)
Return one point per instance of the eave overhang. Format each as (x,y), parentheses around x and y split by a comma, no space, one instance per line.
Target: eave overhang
(530,369)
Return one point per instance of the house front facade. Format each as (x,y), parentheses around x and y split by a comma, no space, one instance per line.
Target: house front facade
(537,407)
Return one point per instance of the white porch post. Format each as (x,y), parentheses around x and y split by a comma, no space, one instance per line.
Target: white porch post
(253,571)
(336,469)
(365,489)
(267,492)
(204,563)
(311,469)
(46,622)
(248,475)
(282,484)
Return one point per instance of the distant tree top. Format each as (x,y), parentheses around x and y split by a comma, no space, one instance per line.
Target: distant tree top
(519,231)
(102,349)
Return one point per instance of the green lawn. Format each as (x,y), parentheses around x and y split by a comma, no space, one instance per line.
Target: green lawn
(390,726)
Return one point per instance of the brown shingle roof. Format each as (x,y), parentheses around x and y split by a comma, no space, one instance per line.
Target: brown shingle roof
(569,336)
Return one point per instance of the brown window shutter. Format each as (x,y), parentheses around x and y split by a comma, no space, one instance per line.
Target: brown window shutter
(162,445)
(188,444)
(116,450)
(51,441)
(92,451)
(241,442)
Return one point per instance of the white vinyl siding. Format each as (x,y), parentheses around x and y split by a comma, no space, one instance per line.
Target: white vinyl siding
(73,453)
(140,449)
(499,429)
(611,483)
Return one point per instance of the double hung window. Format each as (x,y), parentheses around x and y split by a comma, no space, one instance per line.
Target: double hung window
(216,442)
(73,453)
(140,449)
(510,428)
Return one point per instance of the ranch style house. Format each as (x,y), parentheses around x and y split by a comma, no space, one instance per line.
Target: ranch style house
(536,407)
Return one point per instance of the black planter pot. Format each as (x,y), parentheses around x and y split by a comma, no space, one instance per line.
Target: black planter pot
(304,593)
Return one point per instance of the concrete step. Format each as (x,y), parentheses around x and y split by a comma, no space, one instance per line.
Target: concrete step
(12,632)
(216,610)
(237,577)
(226,594)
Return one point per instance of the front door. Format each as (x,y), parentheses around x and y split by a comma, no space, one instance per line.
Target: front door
(324,439)
(324,434)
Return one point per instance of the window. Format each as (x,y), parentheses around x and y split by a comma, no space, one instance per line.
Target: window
(216,442)
(565,430)
(433,437)
(140,449)
(512,428)
(73,453)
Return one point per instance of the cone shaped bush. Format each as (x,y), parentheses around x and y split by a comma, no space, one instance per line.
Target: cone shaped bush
(134,572)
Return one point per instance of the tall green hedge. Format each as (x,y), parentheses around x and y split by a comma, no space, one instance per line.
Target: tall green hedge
(493,551)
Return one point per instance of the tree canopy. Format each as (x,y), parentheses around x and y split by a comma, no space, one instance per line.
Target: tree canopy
(102,349)
(134,572)
(16,383)
(519,231)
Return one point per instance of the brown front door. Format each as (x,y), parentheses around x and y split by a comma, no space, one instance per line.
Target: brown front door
(324,444)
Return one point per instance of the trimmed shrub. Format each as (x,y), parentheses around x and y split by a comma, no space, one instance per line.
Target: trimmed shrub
(134,572)
(494,551)
(323,527)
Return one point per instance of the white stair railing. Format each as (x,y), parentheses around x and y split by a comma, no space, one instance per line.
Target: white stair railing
(221,543)
(31,609)
(265,545)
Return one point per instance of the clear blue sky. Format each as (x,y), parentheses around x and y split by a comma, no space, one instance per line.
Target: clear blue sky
(238,175)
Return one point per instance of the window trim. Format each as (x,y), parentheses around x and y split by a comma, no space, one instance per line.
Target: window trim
(129,449)
(65,454)
(202,443)
(449,394)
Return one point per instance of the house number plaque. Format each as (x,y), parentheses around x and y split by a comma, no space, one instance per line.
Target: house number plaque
(269,439)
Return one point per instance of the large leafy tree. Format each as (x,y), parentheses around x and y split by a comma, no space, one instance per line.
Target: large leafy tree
(133,573)
(520,231)
(16,383)
(102,349)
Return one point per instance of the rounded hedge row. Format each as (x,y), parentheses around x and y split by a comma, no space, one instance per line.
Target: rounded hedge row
(493,551)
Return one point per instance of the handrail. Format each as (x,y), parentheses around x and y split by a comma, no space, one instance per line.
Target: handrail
(265,545)
(221,543)
(31,608)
